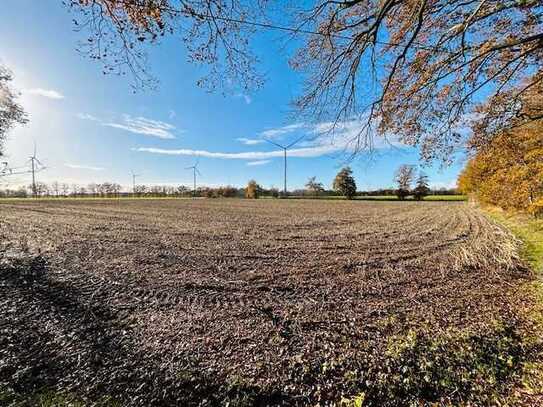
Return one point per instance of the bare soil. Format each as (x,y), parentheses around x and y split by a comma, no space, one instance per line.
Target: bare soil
(208,302)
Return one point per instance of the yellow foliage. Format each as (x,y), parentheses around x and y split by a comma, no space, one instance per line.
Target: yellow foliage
(252,191)
(508,172)
(536,208)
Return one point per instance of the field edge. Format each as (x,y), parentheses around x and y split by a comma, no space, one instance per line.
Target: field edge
(529,231)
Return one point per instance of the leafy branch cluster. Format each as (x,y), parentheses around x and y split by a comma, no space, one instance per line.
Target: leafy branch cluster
(413,68)
(11,112)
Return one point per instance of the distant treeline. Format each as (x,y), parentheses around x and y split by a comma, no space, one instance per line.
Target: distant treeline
(114,190)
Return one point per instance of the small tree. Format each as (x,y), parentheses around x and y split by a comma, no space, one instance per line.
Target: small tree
(182,190)
(274,192)
(55,188)
(65,190)
(314,187)
(344,183)
(253,190)
(422,188)
(404,177)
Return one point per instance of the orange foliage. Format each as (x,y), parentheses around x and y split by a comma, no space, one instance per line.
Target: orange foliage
(507,168)
(508,171)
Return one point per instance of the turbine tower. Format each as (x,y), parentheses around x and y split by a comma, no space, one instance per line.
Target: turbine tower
(134,176)
(33,161)
(194,169)
(285,149)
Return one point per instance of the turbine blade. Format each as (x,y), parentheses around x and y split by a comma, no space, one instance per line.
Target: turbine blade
(294,142)
(275,144)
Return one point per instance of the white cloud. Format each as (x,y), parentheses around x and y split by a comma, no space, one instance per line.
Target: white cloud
(137,125)
(83,167)
(344,135)
(147,127)
(350,135)
(85,116)
(273,133)
(248,155)
(47,93)
(322,139)
(250,141)
(259,162)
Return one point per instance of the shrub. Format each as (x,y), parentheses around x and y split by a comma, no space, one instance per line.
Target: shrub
(253,190)
(210,193)
(227,191)
(402,193)
(536,208)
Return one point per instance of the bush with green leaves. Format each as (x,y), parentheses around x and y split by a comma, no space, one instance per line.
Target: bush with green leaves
(422,189)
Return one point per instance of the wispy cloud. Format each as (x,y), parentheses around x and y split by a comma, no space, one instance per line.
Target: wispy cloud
(341,136)
(250,141)
(147,127)
(350,135)
(259,162)
(321,139)
(83,167)
(85,116)
(280,131)
(247,155)
(137,125)
(47,93)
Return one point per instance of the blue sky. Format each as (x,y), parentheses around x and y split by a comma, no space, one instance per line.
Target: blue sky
(93,128)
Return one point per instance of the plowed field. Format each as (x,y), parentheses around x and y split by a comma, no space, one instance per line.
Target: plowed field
(210,302)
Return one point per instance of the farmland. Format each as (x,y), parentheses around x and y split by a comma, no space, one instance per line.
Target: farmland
(259,302)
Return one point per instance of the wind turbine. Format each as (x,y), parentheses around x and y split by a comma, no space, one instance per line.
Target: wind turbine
(134,176)
(285,148)
(194,169)
(33,161)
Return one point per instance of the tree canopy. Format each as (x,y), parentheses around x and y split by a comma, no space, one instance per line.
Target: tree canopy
(253,190)
(422,187)
(344,183)
(11,112)
(413,68)
(404,177)
(509,171)
(314,187)
(506,165)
